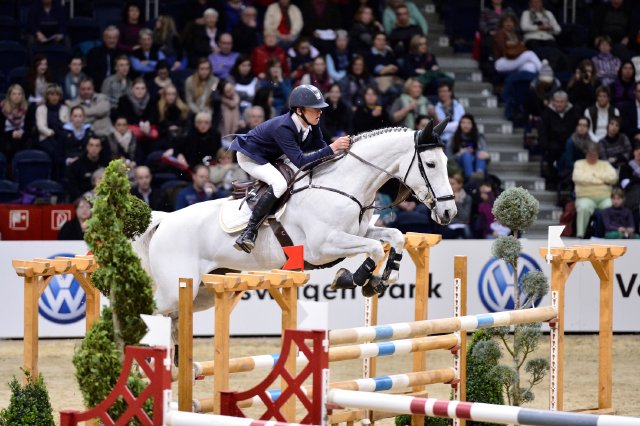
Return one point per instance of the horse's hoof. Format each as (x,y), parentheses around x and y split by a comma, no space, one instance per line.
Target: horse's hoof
(368,290)
(343,280)
(374,286)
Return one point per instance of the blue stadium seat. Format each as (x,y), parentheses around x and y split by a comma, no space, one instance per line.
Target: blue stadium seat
(107,12)
(9,191)
(9,28)
(82,29)
(18,75)
(47,186)
(30,165)
(13,55)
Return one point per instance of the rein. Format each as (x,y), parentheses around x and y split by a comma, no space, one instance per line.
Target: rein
(403,192)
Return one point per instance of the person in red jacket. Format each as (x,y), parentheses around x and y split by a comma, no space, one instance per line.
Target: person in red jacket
(261,55)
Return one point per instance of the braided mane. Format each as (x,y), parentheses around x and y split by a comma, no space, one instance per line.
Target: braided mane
(378,132)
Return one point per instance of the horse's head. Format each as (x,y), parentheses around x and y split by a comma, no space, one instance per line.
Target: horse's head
(428,178)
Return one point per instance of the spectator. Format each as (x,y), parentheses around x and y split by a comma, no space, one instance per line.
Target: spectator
(423,65)
(230,109)
(539,26)
(623,88)
(222,61)
(486,225)
(74,139)
(130,27)
(96,178)
(336,118)
(615,146)
(167,40)
(193,11)
(321,18)
(582,86)
(14,112)
(448,106)
(362,31)
(357,80)
(139,111)
(253,116)
(415,16)
(285,20)
(50,117)
(618,219)
(318,75)
(600,114)
(80,171)
(205,37)
(201,190)
(509,51)
(38,78)
(469,147)
(630,181)
(403,31)
(605,64)
(46,22)
(410,105)
(558,121)
(142,188)
(145,55)
(382,63)
(202,141)
(199,86)
(96,106)
(161,80)
(574,148)
(225,171)
(490,18)
(118,83)
(264,99)
(269,49)
(615,21)
(231,10)
(301,54)
(631,114)
(593,180)
(459,227)
(245,82)
(279,85)
(75,228)
(541,90)
(173,116)
(123,143)
(370,113)
(245,35)
(339,56)
(71,82)
(101,60)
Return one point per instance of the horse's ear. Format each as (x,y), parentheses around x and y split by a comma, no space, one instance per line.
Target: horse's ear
(427,134)
(441,126)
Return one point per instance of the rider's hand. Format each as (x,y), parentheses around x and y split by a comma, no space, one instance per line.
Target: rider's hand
(341,144)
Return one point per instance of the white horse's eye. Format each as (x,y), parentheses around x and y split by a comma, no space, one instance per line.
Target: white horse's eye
(431,164)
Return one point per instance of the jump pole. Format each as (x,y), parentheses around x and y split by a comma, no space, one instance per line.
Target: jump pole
(37,274)
(601,258)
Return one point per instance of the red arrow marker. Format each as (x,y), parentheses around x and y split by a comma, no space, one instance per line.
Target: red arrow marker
(295,258)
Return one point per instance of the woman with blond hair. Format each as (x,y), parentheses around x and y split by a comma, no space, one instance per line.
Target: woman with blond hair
(166,37)
(410,105)
(173,115)
(199,87)
(14,113)
(50,117)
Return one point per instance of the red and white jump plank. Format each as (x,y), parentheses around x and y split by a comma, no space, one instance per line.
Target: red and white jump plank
(471,411)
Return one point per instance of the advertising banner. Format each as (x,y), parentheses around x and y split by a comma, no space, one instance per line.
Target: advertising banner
(33,222)
(490,289)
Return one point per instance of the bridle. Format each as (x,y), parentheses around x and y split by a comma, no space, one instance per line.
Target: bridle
(403,192)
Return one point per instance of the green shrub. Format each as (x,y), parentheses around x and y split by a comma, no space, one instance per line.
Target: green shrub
(482,385)
(29,405)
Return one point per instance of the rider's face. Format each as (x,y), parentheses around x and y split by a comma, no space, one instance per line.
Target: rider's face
(313,115)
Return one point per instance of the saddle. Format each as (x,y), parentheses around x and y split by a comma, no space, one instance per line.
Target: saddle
(251,190)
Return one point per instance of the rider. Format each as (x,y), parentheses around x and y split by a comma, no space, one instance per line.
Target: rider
(296,135)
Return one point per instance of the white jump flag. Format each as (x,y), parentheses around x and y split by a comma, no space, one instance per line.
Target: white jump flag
(159,333)
(554,240)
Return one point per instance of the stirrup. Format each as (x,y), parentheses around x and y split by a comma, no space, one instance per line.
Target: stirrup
(245,243)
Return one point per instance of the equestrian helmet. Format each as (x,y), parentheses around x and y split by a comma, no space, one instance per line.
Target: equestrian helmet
(306,96)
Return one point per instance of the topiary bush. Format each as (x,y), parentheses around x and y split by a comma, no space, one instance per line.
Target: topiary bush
(29,404)
(482,384)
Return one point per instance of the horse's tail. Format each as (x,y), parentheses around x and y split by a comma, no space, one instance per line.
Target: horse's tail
(141,244)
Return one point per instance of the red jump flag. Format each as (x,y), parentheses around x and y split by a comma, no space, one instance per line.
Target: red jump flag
(295,258)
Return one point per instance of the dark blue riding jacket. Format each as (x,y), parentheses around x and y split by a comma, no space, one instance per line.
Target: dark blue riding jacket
(279,135)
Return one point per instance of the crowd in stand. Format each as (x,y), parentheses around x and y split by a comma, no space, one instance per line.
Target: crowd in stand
(167,96)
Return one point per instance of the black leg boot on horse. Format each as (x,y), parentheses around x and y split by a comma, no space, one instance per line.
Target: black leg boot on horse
(247,240)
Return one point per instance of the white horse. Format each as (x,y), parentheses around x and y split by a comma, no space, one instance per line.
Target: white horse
(331,219)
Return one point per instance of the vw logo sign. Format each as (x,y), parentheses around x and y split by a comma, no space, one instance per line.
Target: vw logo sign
(63,301)
(496,283)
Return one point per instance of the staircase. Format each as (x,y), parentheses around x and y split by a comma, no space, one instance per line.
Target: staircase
(509,160)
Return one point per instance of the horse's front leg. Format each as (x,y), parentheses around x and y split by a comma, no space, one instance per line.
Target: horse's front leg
(396,239)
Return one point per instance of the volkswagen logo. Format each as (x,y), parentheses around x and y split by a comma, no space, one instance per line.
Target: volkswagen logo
(496,283)
(63,301)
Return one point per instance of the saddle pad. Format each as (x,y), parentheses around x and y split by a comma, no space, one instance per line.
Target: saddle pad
(234,218)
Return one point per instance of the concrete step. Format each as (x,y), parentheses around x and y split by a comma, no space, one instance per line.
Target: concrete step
(548,197)
(539,229)
(485,112)
(507,154)
(489,125)
(513,167)
(529,182)
(458,62)
(549,212)
(478,100)
(472,87)
(462,74)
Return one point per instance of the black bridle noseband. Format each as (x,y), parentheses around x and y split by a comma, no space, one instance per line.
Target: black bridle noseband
(404,190)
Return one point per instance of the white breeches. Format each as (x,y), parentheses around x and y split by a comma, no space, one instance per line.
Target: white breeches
(527,61)
(264,172)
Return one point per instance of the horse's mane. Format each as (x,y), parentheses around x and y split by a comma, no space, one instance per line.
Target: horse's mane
(373,133)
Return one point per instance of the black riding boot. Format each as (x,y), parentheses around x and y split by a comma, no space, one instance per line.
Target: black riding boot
(247,240)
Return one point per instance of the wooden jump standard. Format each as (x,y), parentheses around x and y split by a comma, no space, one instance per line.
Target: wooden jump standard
(37,274)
